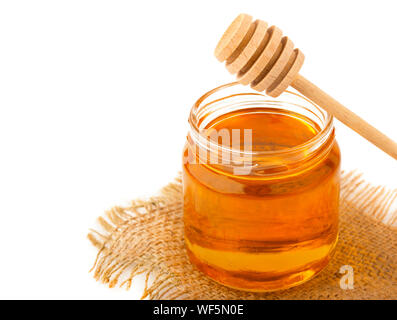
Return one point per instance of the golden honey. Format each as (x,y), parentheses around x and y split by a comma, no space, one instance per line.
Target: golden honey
(274,224)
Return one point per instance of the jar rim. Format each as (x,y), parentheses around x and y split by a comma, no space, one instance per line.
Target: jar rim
(312,144)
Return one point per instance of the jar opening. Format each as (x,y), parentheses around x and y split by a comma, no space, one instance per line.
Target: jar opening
(233,98)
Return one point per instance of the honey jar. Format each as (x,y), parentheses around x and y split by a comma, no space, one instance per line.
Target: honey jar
(261,180)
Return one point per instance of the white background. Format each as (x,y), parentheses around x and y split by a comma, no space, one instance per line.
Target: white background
(94,100)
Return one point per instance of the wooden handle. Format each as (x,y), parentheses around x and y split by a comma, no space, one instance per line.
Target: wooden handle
(262,57)
(344,115)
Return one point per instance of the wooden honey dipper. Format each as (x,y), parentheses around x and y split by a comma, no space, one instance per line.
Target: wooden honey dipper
(263,58)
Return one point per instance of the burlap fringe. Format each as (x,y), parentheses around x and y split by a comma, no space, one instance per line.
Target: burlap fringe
(374,201)
(120,259)
(114,223)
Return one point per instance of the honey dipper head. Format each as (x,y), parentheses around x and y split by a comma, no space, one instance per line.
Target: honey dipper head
(260,56)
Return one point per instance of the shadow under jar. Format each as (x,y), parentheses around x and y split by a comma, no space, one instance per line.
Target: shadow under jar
(261,179)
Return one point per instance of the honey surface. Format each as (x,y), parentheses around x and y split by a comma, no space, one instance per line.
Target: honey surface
(271,129)
(264,231)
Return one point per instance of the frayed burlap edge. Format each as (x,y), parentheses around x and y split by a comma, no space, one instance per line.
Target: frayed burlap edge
(146,237)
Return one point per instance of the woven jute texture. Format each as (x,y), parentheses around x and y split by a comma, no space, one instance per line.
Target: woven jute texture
(146,237)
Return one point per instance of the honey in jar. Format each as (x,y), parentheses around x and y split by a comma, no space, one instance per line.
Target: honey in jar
(262,214)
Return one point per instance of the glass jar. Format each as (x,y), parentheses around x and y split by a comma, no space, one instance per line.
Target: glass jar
(261,179)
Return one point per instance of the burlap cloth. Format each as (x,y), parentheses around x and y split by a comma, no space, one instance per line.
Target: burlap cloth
(146,237)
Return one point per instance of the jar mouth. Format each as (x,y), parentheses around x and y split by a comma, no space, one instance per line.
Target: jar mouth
(234,96)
